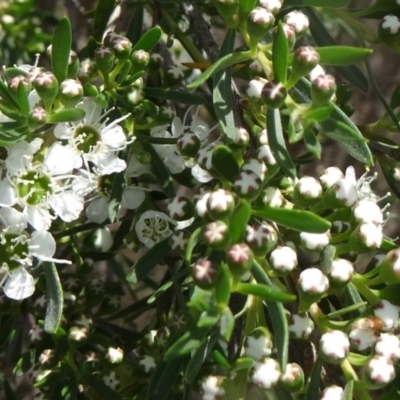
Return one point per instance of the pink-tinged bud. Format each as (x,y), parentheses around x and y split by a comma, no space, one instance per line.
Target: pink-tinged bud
(332,392)
(71,92)
(273,6)
(220,204)
(315,241)
(180,208)
(140,60)
(273,94)
(283,260)
(266,373)
(247,185)
(261,238)
(239,139)
(340,273)
(205,273)
(305,59)
(322,89)
(366,237)
(367,211)
(104,58)
(307,192)
(216,234)
(179,241)
(334,346)
(293,378)
(259,22)
(389,268)
(312,285)
(37,117)
(289,32)
(46,85)
(16,80)
(298,21)
(388,346)
(300,326)
(188,144)
(122,47)
(378,372)
(239,258)
(330,176)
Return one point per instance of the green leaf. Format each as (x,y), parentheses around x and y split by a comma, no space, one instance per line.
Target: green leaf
(391,293)
(323,38)
(117,190)
(67,115)
(238,221)
(379,9)
(277,315)
(280,55)
(342,55)
(316,3)
(148,40)
(190,245)
(264,291)
(188,341)
(11,132)
(22,98)
(220,64)
(176,96)
(160,171)
(223,286)
(277,142)
(227,324)
(60,49)
(348,391)
(200,356)
(134,30)
(148,261)
(55,299)
(319,114)
(100,388)
(299,220)
(312,143)
(104,8)
(225,163)
(7,96)
(312,392)
(245,6)
(222,89)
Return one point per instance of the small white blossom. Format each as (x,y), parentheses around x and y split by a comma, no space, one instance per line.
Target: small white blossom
(335,345)
(77,333)
(255,87)
(315,241)
(392,23)
(362,338)
(111,380)
(211,388)
(330,176)
(332,393)
(247,183)
(266,373)
(380,370)
(258,347)
(114,355)
(297,20)
(264,153)
(370,235)
(388,345)
(273,197)
(367,211)
(300,326)
(309,187)
(341,270)
(388,313)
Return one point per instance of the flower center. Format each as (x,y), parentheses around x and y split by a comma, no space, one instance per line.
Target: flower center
(34,187)
(156,228)
(14,250)
(87,138)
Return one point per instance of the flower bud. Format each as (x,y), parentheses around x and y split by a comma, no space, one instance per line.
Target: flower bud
(70,93)
(388,313)
(289,32)
(147,363)
(362,334)
(389,28)
(247,185)
(239,258)
(104,58)
(216,234)
(343,193)
(367,211)
(332,392)
(261,238)
(266,373)
(330,176)
(298,21)
(37,117)
(78,334)
(334,346)
(305,59)
(140,59)
(212,387)
(389,268)
(178,241)
(205,273)
(188,144)
(173,76)
(388,346)
(340,273)
(300,326)
(315,241)
(273,6)
(240,139)
(122,47)
(101,240)
(255,87)
(155,62)
(14,82)
(306,192)
(312,285)
(378,372)
(264,154)
(293,378)
(256,166)
(114,355)
(366,237)
(259,344)
(220,204)
(180,208)
(259,22)
(46,85)
(273,94)
(322,89)
(272,197)
(283,260)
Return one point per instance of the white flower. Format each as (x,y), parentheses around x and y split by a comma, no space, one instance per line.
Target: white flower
(367,211)
(211,388)
(148,363)
(341,270)
(380,370)
(392,23)
(95,141)
(388,313)
(153,226)
(256,166)
(266,373)
(220,200)
(111,380)
(255,87)
(313,280)
(332,393)
(362,338)
(371,235)
(335,345)
(115,355)
(300,326)
(19,251)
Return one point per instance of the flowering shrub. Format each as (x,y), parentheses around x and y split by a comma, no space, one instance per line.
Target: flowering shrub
(148,252)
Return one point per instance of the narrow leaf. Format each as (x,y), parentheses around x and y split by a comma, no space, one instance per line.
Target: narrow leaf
(148,261)
(60,49)
(220,64)
(277,142)
(55,298)
(149,39)
(348,391)
(264,291)
(222,89)
(299,220)
(225,163)
(67,115)
(277,314)
(342,55)
(312,392)
(280,54)
(238,221)
(117,189)
(22,98)
(245,6)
